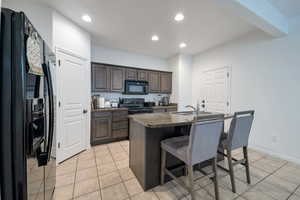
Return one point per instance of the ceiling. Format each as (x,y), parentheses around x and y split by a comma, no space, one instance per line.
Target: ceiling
(289,8)
(129,24)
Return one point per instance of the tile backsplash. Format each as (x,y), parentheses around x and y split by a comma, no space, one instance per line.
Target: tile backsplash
(115,96)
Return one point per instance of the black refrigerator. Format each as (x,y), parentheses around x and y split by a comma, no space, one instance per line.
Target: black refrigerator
(27,111)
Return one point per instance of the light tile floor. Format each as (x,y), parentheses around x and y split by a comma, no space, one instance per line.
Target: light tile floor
(103,173)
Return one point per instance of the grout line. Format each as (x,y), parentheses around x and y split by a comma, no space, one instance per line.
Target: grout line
(251,186)
(294,192)
(263,179)
(122,181)
(98,176)
(75,178)
(183,196)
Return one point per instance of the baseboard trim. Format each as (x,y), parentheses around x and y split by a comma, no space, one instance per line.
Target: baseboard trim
(274,153)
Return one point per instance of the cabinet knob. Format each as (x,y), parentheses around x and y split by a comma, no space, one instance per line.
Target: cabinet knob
(84,111)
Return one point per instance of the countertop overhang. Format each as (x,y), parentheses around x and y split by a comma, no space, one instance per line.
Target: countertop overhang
(160,120)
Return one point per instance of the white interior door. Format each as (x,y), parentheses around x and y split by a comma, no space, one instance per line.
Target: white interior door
(215,90)
(73,114)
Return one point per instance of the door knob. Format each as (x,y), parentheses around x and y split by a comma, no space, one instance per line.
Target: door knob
(85,111)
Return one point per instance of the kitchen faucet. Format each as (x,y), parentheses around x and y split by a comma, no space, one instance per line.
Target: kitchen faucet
(197,109)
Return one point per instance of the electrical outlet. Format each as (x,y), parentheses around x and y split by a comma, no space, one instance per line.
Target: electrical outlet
(274,139)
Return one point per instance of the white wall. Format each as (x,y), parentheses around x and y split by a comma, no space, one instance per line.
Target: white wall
(39,15)
(265,77)
(185,81)
(71,38)
(125,58)
(181,66)
(173,63)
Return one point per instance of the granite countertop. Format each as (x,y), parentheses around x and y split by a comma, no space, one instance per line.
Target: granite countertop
(159,120)
(108,109)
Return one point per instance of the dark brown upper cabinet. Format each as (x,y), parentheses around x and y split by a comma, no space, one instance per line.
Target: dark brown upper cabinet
(111,78)
(142,75)
(100,78)
(117,79)
(154,81)
(166,82)
(131,74)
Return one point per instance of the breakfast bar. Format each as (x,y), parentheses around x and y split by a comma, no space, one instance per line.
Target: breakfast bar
(146,131)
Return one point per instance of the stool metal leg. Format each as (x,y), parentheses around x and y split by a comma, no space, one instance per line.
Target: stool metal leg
(245,150)
(163,166)
(229,157)
(215,170)
(191,181)
(186,170)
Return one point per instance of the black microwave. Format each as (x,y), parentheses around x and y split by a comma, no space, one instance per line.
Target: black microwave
(136,87)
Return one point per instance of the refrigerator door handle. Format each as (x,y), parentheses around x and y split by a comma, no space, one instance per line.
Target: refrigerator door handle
(51,109)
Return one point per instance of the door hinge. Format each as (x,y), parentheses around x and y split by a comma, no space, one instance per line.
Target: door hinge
(58,145)
(59,63)
(59,104)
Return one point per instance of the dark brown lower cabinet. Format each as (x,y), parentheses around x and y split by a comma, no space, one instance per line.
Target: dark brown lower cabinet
(101,128)
(159,110)
(120,124)
(121,133)
(108,126)
(171,109)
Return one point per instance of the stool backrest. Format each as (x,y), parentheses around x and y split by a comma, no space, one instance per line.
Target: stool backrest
(239,130)
(204,140)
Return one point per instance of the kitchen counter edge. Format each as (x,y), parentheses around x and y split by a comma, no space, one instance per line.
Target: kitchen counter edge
(109,109)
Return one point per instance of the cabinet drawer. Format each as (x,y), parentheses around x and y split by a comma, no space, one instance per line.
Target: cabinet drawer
(119,113)
(101,114)
(171,109)
(120,116)
(159,110)
(121,133)
(120,125)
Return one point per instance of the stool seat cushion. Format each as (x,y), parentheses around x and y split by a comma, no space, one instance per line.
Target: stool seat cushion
(177,146)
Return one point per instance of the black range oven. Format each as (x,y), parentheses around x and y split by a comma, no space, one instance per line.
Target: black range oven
(135,105)
(136,87)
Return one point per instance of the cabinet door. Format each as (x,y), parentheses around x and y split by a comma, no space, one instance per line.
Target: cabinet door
(131,74)
(117,79)
(166,82)
(154,82)
(142,75)
(101,129)
(100,78)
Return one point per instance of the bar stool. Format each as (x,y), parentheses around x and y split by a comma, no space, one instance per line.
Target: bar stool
(201,145)
(237,137)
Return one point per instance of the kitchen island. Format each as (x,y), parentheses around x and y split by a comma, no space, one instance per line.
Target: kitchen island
(146,131)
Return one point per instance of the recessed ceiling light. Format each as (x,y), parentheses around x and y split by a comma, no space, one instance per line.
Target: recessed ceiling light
(179,17)
(155,38)
(86,18)
(182,45)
